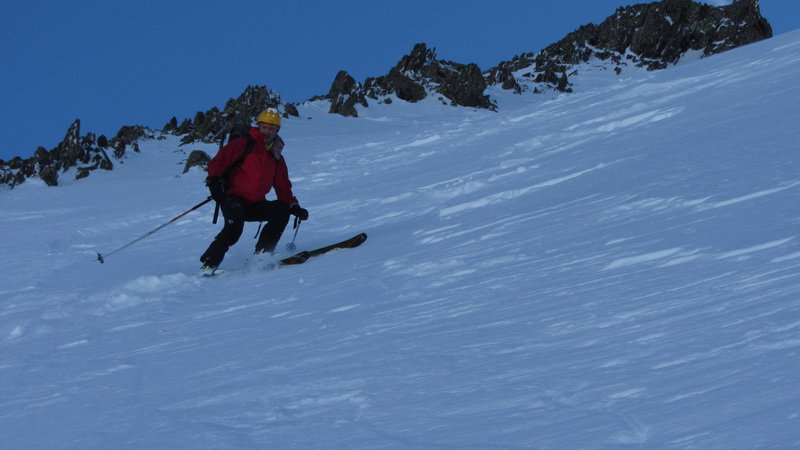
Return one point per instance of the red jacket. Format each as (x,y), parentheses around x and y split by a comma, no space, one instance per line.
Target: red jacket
(257,175)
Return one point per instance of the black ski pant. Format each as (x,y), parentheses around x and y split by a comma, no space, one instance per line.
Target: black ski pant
(236,212)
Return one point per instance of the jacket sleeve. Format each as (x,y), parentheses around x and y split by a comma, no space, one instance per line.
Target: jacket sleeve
(283,186)
(226,157)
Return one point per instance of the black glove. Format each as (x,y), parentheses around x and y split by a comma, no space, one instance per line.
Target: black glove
(215,187)
(301,213)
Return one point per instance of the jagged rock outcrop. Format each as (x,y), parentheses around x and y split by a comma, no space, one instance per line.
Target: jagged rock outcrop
(290,110)
(87,153)
(652,35)
(420,72)
(127,136)
(197,158)
(171,126)
(415,76)
(210,125)
(344,94)
(17,170)
(84,153)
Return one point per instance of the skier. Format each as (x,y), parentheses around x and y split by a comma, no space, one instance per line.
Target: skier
(241,194)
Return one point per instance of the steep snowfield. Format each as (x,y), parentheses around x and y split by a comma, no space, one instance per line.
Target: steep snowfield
(619,267)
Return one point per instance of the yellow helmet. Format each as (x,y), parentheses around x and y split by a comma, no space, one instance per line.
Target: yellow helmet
(270,116)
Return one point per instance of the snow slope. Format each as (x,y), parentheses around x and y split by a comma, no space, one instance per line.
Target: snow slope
(614,268)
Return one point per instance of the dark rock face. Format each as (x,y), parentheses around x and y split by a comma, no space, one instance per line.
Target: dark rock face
(652,35)
(210,126)
(464,87)
(415,76)
(659,33)
(15,172)
(290,110)
(196,158)
(408,78)
(214,124)
(127,135)
(420,72)
(171,126)
(84,153)
(345,93)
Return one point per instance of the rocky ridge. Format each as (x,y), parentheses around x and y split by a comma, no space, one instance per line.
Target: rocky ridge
(653,35)
(82,153)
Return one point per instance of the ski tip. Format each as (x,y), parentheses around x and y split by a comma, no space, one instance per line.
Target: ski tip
(358,239)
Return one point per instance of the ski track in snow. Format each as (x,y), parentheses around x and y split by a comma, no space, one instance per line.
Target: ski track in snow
(618,267)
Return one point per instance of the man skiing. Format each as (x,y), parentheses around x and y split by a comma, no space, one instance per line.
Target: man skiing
(241,193)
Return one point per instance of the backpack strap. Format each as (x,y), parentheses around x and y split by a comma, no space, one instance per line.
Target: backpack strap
(248,148)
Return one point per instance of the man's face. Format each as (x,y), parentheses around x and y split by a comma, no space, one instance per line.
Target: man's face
(269,131)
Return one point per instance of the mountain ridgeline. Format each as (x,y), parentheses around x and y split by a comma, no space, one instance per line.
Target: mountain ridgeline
(652,36)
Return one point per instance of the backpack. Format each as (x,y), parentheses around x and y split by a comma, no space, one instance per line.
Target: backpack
(238,130)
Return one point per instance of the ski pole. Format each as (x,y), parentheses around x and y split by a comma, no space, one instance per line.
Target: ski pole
(101,258)
(291,246)
(221,144)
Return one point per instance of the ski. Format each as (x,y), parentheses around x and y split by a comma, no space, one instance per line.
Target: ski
(301,257)
(304,256)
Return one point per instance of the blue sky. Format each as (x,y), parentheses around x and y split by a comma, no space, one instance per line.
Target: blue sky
(113,63)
